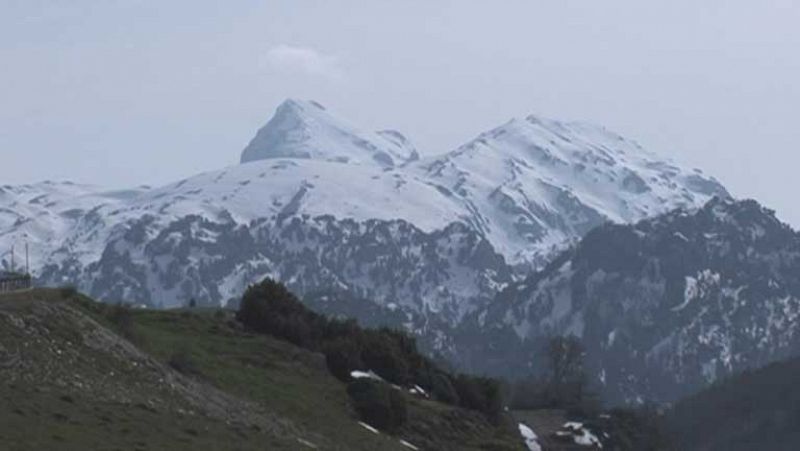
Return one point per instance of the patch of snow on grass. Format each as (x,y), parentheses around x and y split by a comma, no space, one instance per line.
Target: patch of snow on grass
(587,439)
(307,443)
(580,435)
(531,439)
(419,391)
(369,428)
(356,374)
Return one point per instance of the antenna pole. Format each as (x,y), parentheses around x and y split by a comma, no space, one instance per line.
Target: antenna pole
(27,261)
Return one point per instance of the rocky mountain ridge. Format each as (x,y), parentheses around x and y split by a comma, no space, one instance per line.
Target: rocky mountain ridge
(663,307)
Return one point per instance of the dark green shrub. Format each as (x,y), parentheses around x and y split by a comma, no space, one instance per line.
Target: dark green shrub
(337,328)
(121,317)
(270,308)
(640,429)
(442,389)
(564,386)
(480,393)
(183,362)
(378,404)
(382,354)
(68,292)
(493,393)
(343,356)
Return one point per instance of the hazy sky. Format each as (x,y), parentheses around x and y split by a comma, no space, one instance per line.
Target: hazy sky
(130,92)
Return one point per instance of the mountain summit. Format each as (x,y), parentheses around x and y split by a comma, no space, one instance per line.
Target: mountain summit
(533,183)
(306,130)
(324,206)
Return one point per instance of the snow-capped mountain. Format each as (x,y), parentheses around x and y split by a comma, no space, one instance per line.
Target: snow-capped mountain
(324,206)
(209,236)
(664,307)
(53,218)
(533,184)
(306,130)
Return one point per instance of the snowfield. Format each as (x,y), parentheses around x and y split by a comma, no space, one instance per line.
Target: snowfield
(531,440)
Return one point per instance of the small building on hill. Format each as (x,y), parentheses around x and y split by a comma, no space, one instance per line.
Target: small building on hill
(13,281)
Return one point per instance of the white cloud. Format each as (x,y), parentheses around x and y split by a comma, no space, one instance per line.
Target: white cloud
(305,60)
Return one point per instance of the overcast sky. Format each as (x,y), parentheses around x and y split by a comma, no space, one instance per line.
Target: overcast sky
(133,92)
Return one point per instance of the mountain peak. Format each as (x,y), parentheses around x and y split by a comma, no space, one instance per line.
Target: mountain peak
(298,106)
(306,130)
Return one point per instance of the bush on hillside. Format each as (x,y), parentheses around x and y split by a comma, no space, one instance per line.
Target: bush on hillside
(270,308)
(565,384)
(537,393)
(640,429)
(183,362)
(343,356)
(68,291)
(480,393)
(378,404)
(443,390)
(384,355)
(121,317)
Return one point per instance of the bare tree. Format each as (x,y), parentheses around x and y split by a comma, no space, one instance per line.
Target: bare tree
(568,385)
(565,360)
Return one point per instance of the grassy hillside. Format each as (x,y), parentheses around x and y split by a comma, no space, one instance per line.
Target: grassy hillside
(81,375)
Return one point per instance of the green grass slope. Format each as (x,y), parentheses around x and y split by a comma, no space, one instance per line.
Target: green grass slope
(75,374)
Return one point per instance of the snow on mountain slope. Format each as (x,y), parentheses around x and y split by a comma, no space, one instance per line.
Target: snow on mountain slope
(306,130)
(48,215)
(323,206)
(400,241)
(535,183)
(281,188)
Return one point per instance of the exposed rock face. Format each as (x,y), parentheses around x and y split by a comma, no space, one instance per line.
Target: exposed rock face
(444,273)
(663,307)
